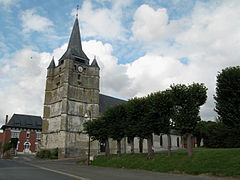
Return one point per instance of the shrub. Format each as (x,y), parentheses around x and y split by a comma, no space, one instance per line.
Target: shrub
(47,154)
(54,153)
(7,146)
(218,135)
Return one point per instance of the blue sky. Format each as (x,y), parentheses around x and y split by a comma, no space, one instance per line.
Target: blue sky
(142,46)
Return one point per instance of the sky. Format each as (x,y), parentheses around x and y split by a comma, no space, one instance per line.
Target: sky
(142,46)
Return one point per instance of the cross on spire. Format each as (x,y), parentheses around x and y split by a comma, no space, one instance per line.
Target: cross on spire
(77,11)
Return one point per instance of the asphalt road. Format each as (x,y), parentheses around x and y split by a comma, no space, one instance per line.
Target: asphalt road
(24,169)
(12,170)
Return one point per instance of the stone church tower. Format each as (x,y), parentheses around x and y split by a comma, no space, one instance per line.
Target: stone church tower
(71,98)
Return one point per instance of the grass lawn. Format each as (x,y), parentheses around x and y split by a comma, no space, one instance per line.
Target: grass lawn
(217,162)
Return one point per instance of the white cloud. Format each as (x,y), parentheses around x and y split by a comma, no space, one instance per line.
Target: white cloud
(23,91)
(8,2)
(34,22)
(210,40)
(113,77)
(101,22)
(151,25)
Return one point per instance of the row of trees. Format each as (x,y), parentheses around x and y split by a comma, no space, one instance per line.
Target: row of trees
(225,132)
(175,108)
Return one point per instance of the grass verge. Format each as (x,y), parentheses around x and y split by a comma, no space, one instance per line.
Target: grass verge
(217,162)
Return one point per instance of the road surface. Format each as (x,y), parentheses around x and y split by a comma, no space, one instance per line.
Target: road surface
(24,169)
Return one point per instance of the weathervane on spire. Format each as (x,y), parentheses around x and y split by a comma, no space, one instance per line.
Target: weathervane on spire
(77,11)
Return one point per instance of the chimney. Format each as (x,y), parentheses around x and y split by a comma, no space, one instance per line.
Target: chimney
(6,120)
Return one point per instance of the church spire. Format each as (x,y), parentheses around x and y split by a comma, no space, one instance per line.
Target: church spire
(74,50)
(52,64)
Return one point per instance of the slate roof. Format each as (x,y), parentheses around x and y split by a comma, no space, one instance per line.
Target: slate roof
(107,101)
(94,63)
(24,121)
(74,50)
(52,64)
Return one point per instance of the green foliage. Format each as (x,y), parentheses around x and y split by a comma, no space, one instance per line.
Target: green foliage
(188,100)
(7,146)
(218,162)
(160,110)
(228,97)
(115,117)
(200,131)
(47,154)
(135,118)
(218,135)
(97,129)
(10,144)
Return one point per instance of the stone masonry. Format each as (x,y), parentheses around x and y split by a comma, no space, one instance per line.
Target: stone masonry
(71,98)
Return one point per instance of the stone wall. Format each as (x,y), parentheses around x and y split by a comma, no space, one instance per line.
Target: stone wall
(70,96)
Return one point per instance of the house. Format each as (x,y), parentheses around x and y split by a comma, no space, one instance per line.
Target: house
(26,128)
(1,136)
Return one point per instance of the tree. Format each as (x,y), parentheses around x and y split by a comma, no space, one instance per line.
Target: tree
(188,100)
(228,97)
(115,116)
(98,129)
(200,131)
(135,112)
(162,106)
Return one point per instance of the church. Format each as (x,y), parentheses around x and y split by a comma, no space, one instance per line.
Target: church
(72,97)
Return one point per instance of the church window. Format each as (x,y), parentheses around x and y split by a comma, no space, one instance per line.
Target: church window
(161,140)
(60,69)
(152,140)
(79,76)
(177,141)
(75,67)
(62,61)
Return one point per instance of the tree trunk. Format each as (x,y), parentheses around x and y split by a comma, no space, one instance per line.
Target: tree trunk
(107,149)
(149,144)
(140,145)
(118,148)
(189,145)
(169,145)
(132,145)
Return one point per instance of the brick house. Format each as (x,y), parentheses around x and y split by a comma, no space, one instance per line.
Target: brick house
(1,136)
(27,129)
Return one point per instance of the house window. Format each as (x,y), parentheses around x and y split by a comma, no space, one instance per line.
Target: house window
(178,142)
(15,134)
(28,134)
(39,135)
